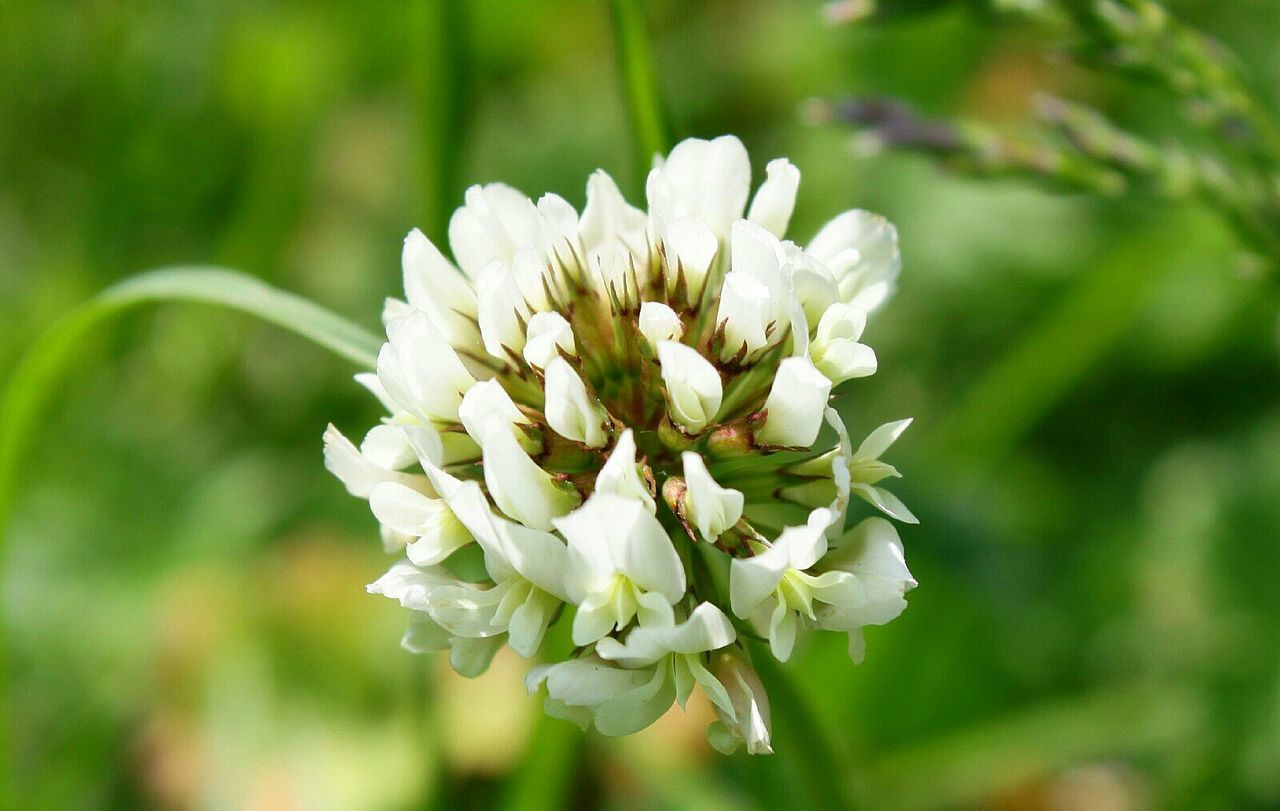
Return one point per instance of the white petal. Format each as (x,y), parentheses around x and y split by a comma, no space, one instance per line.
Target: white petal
(488,401)
(750,719)
(861,250)
(387,446)
(471,657)
(620,475)
(370,381)
(559,220)
(694,390)
(814,285)
(708,506)
(423,634)
(420,370)
(752,580)
(520,488)
(706,629)
(879,440)
(872,553)
(782,632)
(570,410)
(469,505)
(843,360)
(548,335)
(805,545)
(744,312)
(637,708)
(412,586)
(529,623)
(776,198)
(403,509)
(503,311)
(358,473)
(432,284)
(539,557)
(841,321)
(690,247)
(795,404)
(658,322)
(496,222)
(886,502)
(608,216)
(611,535)
(758,253)
(587,681)
(706,179)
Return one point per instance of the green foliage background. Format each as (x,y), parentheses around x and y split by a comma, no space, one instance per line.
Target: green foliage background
(1095,459)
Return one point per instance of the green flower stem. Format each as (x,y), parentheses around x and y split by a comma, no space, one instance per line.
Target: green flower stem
(800,738)
(32,381)
(440,77)
(807,759)
(639,84)
(544,778)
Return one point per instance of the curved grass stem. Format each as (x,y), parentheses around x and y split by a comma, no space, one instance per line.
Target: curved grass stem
(32,381)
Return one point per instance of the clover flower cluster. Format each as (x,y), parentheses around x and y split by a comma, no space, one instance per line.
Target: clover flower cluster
(622,417)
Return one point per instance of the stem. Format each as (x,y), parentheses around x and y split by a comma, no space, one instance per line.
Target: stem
(805,752)
(803,743)
(639,84)
(544,778)
(440,78)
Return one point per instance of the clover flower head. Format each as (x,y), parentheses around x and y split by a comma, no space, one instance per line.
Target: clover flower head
(621,419)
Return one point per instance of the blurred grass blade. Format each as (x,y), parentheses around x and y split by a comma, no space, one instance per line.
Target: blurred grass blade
(35,375)
(809,765)
(543,780)
(1052,357)
(639,83)
(32,380)
(966,768)
(440,70)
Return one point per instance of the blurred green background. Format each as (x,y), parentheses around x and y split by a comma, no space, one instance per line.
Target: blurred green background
(1097,624)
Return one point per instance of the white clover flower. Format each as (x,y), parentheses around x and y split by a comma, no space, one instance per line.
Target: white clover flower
(835,349)
(749,721)
(621,564)
(590,415)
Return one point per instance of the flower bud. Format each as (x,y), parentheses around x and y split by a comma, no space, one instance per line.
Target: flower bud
(432,284)
(503,312)
(776,198)
(708,506)
(709,180)
(693,386)
(420,371)
(488,400)
(571,411)
(620,475)
(742,317)
(608,216)
(658,322)
(520,488)
(835,349)
(794,408)
(750,721)
(691,247)
(547,336)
